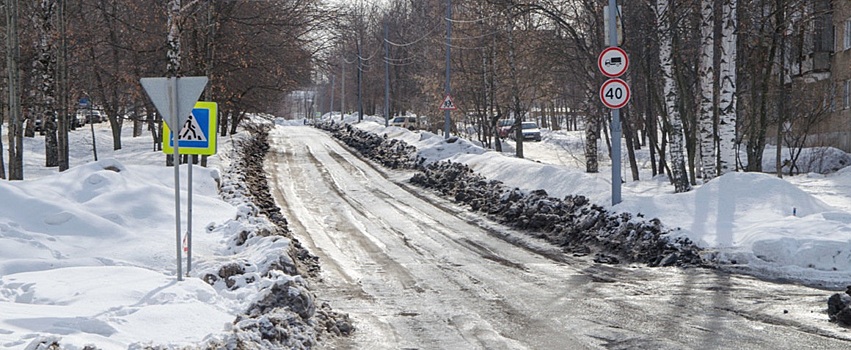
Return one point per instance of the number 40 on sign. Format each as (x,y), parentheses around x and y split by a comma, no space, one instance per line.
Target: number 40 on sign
(614,93)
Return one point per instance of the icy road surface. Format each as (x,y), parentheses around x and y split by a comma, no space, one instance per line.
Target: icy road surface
(417,272)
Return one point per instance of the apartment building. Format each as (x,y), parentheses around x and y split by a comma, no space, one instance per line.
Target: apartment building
(840,71)
(825,66)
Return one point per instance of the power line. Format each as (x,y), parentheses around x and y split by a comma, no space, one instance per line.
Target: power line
(482,19)
(433,28)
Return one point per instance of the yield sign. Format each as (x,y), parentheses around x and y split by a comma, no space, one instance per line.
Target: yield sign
(178,93)
(447,104)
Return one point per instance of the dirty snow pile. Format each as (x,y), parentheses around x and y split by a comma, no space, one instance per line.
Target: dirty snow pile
(573,223)
(796,228)
(87,256)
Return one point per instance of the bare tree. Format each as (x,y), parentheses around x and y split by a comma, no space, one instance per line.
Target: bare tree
(802,119)
(44,71)
(727,120)
(679,177)
(706,75)
(65,122)
(13,83)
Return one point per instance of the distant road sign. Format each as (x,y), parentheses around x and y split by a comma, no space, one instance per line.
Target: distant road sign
(614,93)
(613,62)
(198,133)
(85,103)
(447,104)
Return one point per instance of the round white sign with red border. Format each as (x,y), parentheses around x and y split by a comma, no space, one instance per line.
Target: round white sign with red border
(614,93)
(613,62)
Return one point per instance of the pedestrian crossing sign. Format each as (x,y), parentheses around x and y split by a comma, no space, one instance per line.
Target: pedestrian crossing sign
(198,134)
(448,104)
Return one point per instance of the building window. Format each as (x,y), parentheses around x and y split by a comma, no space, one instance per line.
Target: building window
(846,37)
(846,95)
(832,97)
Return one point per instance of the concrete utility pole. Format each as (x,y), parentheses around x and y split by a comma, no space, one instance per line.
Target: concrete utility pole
(448,91)
(331,107)
(360,81)
(386,79)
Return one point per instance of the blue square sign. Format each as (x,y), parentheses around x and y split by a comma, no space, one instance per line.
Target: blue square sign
(198,133)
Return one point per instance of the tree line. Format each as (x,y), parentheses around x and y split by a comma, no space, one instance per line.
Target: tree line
(61,51)
(711,79)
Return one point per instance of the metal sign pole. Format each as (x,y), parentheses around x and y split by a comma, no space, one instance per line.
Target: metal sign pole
(616,117)
(94,138)
(175,98)
(189,219)
(173,108)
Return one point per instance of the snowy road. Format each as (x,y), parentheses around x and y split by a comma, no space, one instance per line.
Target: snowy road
(416,272)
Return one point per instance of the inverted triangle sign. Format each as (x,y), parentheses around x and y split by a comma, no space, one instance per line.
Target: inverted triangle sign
(178,93)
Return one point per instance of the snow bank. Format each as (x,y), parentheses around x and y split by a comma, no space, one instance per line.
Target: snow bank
(745,222)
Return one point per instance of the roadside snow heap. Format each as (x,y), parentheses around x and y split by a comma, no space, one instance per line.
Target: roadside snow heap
(572,223)
(392,153)
(839,308)
(267,265)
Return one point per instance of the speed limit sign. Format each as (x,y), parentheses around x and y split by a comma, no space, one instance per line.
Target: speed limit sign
(614,93)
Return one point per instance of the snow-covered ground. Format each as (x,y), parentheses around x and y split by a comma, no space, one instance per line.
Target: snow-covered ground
(88,256)
(796,228)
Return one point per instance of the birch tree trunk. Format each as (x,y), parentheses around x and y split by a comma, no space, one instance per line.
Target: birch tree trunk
(210,51)
(592,134)
(727,95)
(45,73)
(679,177)
(706,114)
(173,56)
(781,109)
(16,124)
(2,161)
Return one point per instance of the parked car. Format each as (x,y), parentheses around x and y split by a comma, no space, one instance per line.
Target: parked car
(38,124)
(404,122)
(80,118)
(529,130)
(504,126)
(73,122)
(92,115)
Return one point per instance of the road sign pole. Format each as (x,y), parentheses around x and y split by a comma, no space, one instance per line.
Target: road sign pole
(189,218)
(616,117)
(175,98)
(173,108)
(94,138)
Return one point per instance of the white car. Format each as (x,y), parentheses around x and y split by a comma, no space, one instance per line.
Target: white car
(404,122)
(92,116)
(529,130)
(80,118)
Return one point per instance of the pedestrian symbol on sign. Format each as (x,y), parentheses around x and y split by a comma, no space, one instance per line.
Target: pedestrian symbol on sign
(197,133)
(191,131)
(447,104)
